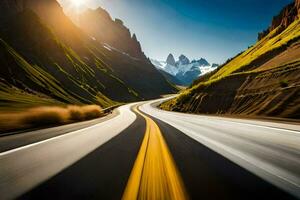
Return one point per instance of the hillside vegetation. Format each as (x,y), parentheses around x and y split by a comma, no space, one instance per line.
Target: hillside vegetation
(263,80)
(47,116)
(47,60)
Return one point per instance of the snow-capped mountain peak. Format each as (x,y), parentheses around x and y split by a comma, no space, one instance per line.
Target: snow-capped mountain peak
(183,60)
(201,62)
(184,70)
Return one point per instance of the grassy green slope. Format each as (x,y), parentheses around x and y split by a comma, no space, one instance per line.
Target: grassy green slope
(19,73)
(13,98)
(271,42)
(39,61)
(38,57)
(230,81)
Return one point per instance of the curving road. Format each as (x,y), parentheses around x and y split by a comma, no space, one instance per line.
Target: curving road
(141,152)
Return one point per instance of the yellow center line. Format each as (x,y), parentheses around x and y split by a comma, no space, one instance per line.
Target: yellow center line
(154,175)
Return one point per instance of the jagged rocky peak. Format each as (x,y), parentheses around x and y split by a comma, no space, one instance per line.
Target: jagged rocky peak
(119,22)
(171,60)
(99,25)
(134,37)
(102,12)
(183,60)
(201,62)
(214,65)
(184,70)
(288,15)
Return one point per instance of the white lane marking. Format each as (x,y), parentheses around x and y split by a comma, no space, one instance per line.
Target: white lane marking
(220,148)
(25,168)
(154,103)
(46,140)
(53,138)
(262,126)
(272,173)
(247,122)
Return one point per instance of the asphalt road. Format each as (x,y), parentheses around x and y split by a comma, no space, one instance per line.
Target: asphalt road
(153,154)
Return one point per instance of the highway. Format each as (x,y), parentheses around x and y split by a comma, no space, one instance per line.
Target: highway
(142,152)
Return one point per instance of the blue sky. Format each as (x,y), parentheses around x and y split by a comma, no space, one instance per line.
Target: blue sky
(213,29)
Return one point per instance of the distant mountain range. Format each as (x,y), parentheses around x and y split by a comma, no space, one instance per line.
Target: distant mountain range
(262,80)
(47,59)
(183,72)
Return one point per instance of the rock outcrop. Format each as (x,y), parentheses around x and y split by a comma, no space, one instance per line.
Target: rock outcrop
(183,71)
(171,60)
(214,65)
(183,60)
(99,25)
(287,16)
(202,62)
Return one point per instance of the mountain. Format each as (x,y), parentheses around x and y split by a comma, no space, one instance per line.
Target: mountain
(171,60)
(98,24)
(263,80)
(46,59)
(214,65)
(183,72)
(172,79)
(202,62)
(183,60)
(287,16)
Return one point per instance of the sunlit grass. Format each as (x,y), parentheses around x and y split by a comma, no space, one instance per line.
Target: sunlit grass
(267,44)
(47,116)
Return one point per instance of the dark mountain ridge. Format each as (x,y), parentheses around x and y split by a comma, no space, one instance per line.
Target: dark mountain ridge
(183,60)
(45,57)
(99,25)
(202,62)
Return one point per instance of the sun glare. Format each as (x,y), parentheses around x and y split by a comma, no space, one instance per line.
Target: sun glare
(77,3)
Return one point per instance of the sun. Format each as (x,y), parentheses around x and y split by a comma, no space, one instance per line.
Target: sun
(77,3)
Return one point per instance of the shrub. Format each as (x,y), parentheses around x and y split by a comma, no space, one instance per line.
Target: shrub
(46,116)
(92,112)
(43,116)
(75,113)
(9,121)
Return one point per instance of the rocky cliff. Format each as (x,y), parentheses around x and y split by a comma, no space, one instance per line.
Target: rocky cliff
(183,60)
(171,60)
(99,25)
(280,22)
